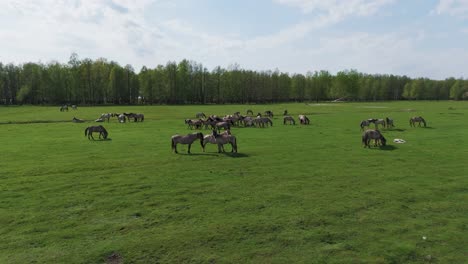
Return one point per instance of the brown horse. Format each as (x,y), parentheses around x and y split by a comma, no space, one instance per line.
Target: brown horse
(417,119)
(186,140)
(374,134)
(210,138)
(99,129)
(222,139)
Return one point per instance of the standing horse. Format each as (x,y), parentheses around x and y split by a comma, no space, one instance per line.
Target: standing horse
(210,138)
(222,139)
(269,113)
(99,129)
(389,122)
(140,117)
(64,108)
(106,116)
(304,120)
(375,135)
(289,119)
(262,121)
(121,118)
(188,139)
(418,119)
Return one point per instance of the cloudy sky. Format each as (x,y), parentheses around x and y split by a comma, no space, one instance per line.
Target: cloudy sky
(418,38)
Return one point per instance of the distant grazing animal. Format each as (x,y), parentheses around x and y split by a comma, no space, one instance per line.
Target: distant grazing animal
(285,112)
(74,107)
(139,117)
(225,125)
(269,113)
(249,112)
(186,140)
(289,119)
(364,123)
(222,139)
(304,120)
(197,123)
(121,118)
(200,115)
(106,116)
(64,108)
(418,119)
(389,122)
(263,121)
(98,129)
(378,122)
(77,120)
(370,134)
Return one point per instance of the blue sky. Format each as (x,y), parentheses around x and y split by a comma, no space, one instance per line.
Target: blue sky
(418,38)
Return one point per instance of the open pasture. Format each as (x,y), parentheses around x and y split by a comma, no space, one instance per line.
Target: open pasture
(292,193)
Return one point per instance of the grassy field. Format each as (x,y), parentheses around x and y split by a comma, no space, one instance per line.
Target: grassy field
(307,194)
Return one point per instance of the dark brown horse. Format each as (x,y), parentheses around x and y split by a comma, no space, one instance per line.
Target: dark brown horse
(417,119)
(98,129)
(374,134)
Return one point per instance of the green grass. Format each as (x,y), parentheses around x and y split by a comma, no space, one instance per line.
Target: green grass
(294,194)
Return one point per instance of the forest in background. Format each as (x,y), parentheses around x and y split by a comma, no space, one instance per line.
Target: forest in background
(100,82)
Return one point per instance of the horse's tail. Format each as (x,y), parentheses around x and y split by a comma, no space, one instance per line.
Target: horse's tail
(424,121)
(86,131)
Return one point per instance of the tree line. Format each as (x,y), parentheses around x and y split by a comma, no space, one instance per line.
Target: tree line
(95,82)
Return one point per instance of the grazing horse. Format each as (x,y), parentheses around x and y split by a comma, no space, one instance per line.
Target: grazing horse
(77,120)
(194,123)
(200,115)
(389,122)
(140,117)
(289,119)
(364,123)
(285,112)
(222,139)
(210,138)
(74,107)
(225,125)
(418,119)
(64,108)
(249,111)
(378,122)
(375,135)
(100,129)
(188,139)
(269,113)
(106,116)
(304,120)
(262,121)
(121,118)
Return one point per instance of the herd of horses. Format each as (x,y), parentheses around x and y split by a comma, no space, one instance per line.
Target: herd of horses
(376,134)
(217,124)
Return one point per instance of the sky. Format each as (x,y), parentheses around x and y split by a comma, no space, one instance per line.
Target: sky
(417,38)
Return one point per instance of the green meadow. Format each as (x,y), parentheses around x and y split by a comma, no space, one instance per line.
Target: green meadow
(293,193)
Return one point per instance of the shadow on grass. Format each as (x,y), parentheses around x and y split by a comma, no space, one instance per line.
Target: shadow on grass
(101,140)
(235,155)
(396,129)
(196,154)
(387,147)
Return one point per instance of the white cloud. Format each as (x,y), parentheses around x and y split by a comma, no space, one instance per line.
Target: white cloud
(339,8)
(458,8)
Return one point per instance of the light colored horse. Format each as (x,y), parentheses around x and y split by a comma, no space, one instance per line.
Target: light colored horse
(186,140)
(106,116)
(223,139)
(379,122)
(304,120)
(210,138)
(374,134)
(64,108)
(200,115)
(74,107)
(417,119)
(121,118)
(289,119)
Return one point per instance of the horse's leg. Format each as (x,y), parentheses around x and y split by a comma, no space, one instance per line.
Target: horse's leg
(189,146)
